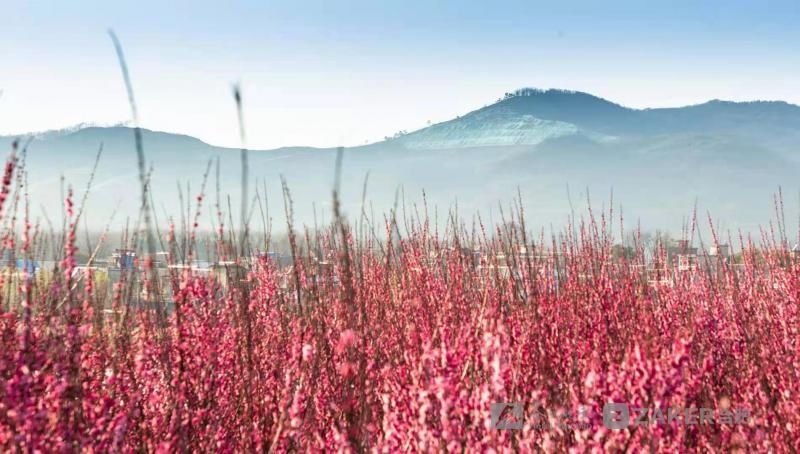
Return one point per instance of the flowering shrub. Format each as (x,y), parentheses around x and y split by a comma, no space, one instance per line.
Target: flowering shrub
(404,345)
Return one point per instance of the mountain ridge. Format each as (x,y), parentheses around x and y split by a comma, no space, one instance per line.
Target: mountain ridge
(569,103)
(594,115)
(731,156)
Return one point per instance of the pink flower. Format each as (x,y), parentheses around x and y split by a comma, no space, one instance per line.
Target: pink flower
(308,352)
(346,339)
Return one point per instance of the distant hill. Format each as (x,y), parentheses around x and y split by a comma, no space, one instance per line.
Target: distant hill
(530,116)
(729,157)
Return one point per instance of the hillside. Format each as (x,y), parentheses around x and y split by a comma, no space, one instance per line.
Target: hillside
(728,156)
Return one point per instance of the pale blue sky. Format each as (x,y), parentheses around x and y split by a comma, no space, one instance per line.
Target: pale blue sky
(344,72)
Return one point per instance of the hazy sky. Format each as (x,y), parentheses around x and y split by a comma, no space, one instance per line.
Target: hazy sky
(327,72)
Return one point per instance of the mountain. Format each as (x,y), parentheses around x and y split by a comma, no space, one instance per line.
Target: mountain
(726,157)
(529,116)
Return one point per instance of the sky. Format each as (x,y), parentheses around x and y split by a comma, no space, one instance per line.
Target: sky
(329,73)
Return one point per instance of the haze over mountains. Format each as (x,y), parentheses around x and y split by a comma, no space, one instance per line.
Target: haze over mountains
(729,157)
